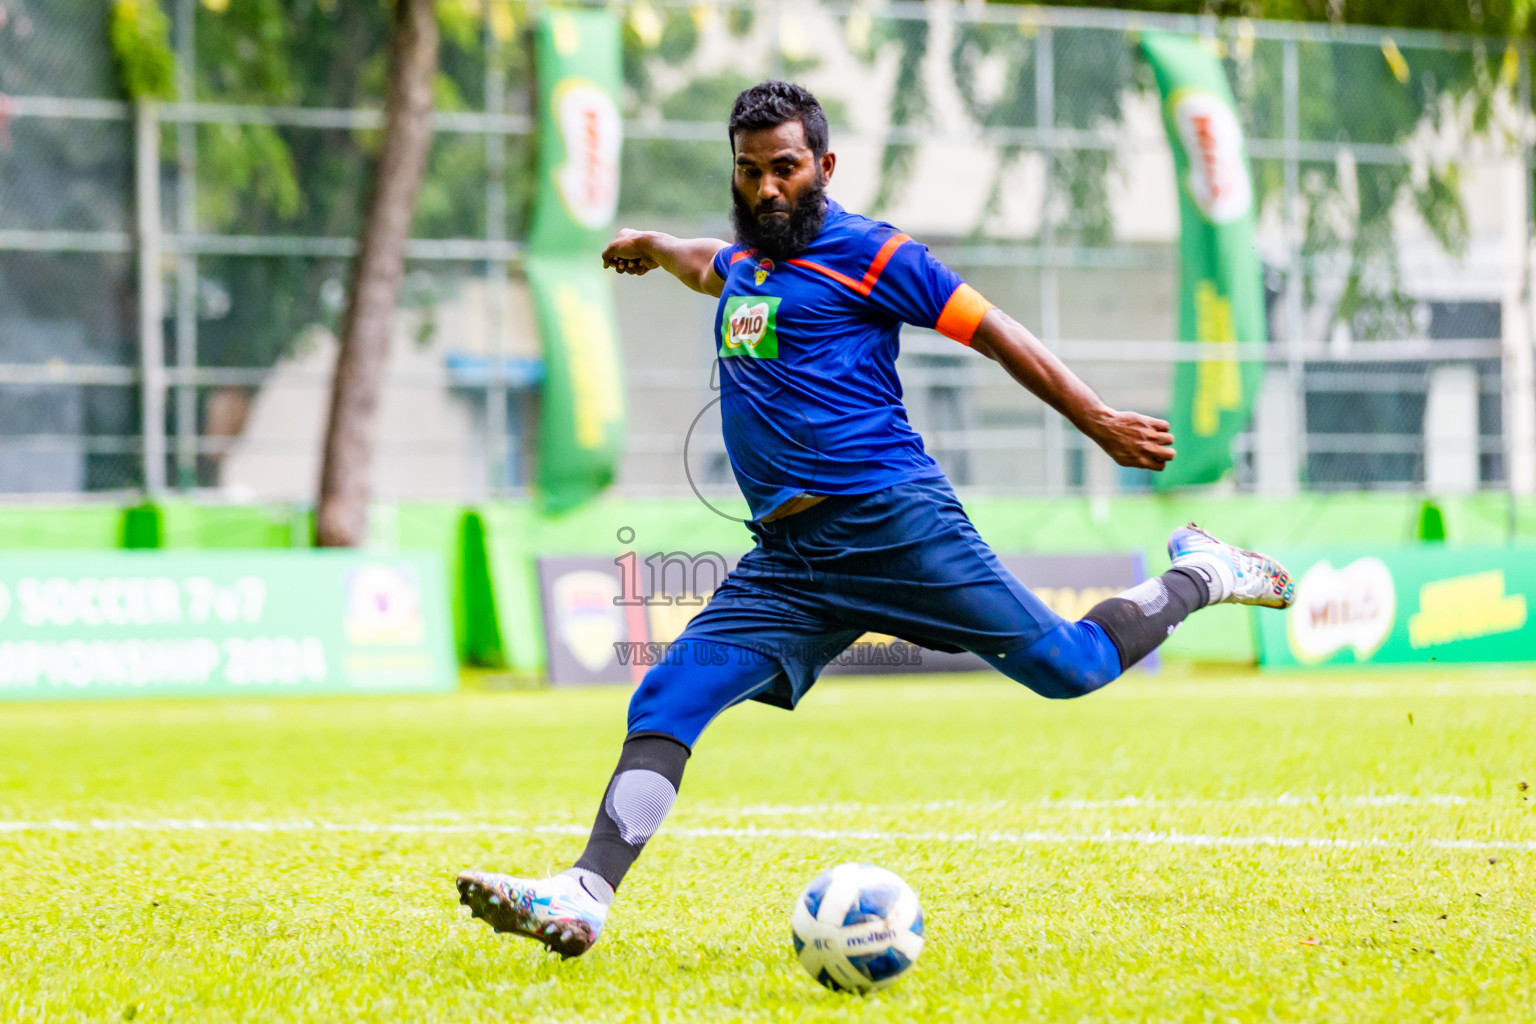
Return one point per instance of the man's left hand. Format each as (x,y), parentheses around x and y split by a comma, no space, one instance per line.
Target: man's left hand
(1131,439)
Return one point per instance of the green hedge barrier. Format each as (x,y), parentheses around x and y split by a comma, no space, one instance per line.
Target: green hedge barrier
(480,634)
(143,527)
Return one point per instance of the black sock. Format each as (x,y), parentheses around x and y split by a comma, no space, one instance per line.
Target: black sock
(1144,616)
(639,795)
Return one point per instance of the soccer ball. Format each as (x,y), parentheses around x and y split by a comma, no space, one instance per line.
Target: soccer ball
(857,928)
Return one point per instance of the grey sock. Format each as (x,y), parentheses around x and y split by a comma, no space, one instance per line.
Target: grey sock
(595,885)
(1144,616)
(641,792)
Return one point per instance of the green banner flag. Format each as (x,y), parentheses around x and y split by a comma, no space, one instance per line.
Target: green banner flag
(1221,293)
(581,427)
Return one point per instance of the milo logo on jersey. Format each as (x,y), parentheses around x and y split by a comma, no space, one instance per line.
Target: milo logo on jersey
(746,327)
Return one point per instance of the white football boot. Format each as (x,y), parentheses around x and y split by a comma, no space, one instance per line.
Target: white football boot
(1234,576)
(556,911)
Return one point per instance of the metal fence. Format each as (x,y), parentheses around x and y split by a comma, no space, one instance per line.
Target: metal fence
(169,272)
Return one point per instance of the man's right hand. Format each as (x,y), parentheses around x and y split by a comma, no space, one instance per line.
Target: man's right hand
(690,260)
(629,253)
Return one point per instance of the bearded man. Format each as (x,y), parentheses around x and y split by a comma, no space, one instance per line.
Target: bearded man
(857,528)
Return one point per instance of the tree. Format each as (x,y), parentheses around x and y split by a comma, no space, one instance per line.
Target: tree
(275,179)
(341,512)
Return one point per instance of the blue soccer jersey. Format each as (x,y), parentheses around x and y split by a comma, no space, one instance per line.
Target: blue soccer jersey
(809,396)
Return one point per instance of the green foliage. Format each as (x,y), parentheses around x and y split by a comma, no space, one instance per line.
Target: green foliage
(1090,73)
(1489,17)
(280,180)
(741,20)
(245,53)
(264,179)
(1351,93)
(909,103)
(663,176)
(1346,95)
(679,37)
(1013,107)
(268,179)
(461,23)
(140,36)
(244,165)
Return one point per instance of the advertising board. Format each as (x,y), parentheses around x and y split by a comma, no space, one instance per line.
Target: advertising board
(165,623)
(604,617)
(1404,606)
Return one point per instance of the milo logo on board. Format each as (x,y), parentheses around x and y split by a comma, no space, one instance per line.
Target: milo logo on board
(747,327)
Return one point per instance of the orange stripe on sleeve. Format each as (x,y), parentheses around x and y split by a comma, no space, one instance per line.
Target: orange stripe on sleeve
(876,267)
(842,279)
(881,259)
(962,314)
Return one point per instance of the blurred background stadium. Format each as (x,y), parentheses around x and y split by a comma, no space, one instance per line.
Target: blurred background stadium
(1023,144)
(172,270)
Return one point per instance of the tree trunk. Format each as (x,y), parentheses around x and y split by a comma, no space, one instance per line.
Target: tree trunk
(341,515)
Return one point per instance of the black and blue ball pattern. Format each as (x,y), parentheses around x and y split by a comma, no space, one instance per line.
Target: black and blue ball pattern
(857,928)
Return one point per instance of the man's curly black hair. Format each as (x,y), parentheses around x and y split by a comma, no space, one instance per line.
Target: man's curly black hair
(772,103)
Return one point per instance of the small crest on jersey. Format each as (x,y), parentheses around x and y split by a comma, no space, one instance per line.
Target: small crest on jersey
(764,268)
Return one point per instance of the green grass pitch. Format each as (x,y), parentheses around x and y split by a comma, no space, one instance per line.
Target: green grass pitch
(1183,847)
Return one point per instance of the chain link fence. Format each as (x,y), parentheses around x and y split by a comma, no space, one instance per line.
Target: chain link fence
(170,273)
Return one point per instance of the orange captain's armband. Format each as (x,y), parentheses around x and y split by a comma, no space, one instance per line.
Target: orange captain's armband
(962,314)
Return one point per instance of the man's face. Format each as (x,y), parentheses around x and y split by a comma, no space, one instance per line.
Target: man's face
(778,187)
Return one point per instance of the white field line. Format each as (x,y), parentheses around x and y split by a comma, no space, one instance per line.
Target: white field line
(1268,687)
(1072,804)
(998,838)
(1283,800)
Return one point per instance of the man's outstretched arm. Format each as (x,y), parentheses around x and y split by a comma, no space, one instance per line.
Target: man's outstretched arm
(1129,438)
(690,260)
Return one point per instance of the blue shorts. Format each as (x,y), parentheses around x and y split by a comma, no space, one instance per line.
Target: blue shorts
(904,561)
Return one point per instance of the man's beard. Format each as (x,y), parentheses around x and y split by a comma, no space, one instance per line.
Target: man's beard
(781,237)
